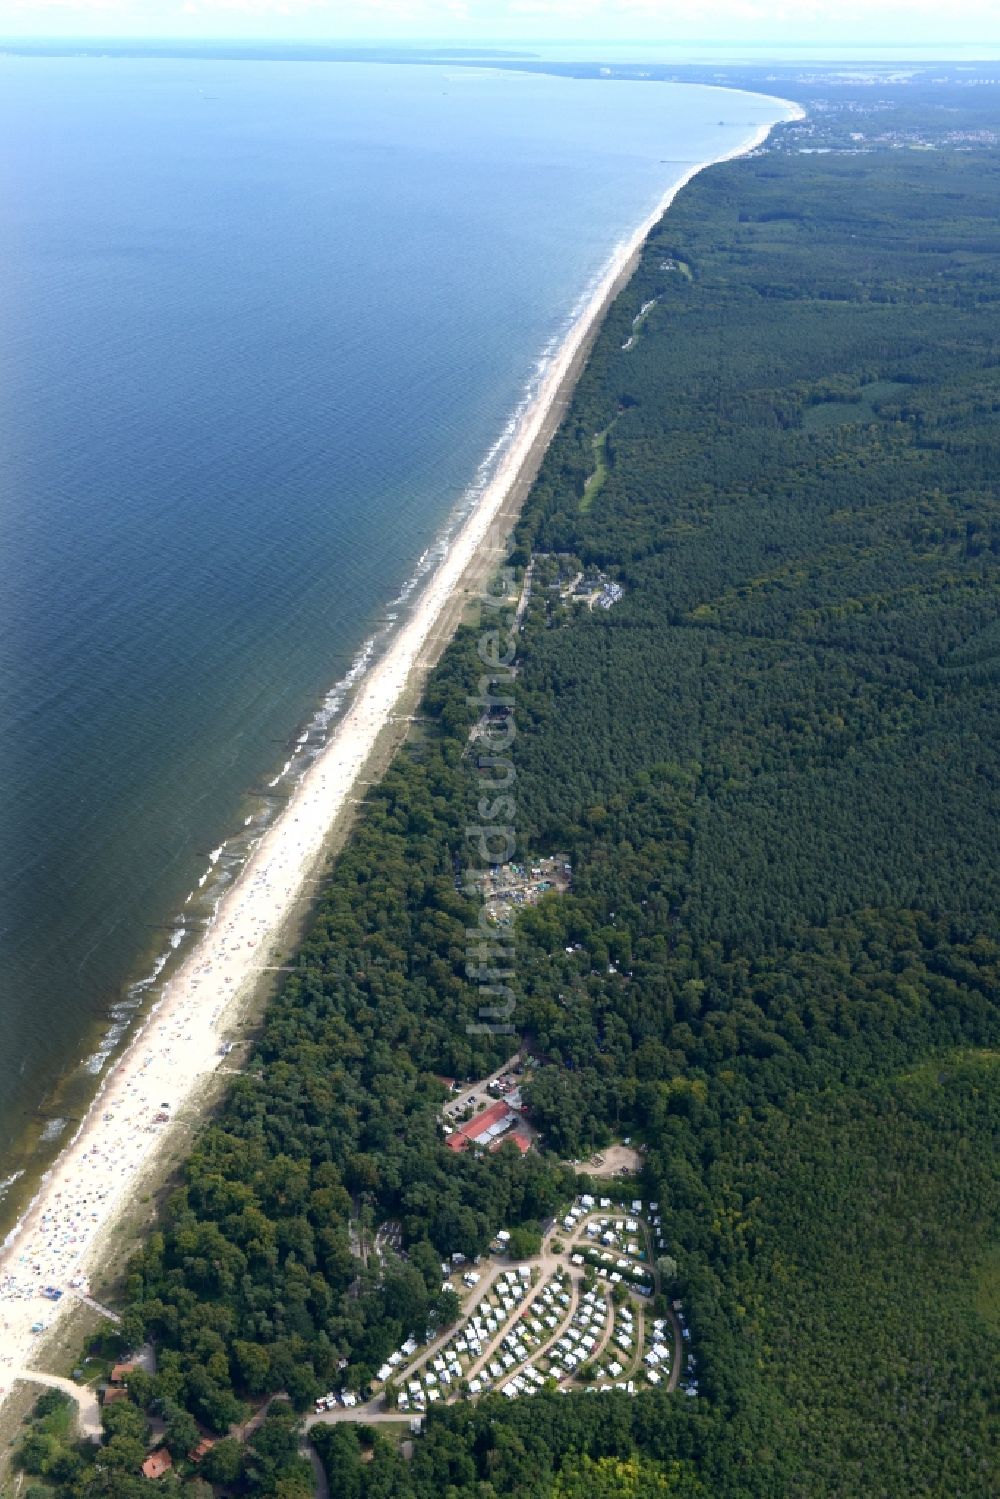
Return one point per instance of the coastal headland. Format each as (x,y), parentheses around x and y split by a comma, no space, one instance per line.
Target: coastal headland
(67,1237)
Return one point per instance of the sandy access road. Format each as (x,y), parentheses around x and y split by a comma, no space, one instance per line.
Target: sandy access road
(68,1230)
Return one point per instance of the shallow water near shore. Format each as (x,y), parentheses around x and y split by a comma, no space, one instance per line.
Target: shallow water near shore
(262,328)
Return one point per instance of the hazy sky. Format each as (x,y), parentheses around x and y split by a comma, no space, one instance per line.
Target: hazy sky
(946,29)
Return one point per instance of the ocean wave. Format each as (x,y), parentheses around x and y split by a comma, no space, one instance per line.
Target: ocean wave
(96,1062)
(226,860)
(6,1182)
(141,986)
(123,1012)
(316,731)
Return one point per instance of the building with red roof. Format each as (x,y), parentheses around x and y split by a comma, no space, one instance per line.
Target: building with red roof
(488,1128)
(157,1463)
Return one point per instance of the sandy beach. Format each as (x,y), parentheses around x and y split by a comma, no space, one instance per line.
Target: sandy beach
(69,1227)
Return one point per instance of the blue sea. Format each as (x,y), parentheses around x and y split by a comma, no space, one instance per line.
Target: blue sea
(261,327)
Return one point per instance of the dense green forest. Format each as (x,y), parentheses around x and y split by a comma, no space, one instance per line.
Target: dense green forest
(775,766)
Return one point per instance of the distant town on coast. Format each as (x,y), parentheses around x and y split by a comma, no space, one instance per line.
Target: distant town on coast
(507,998)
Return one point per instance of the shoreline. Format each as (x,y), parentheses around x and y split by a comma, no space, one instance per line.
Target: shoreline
(179,1046)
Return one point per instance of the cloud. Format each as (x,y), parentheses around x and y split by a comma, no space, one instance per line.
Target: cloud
(793,17)
(335,11)
(71,7)
(658,22)
(790,19)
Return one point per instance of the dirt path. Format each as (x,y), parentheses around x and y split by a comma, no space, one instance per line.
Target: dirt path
(96,1306)
(522,602)
(410,1371)
(606,1335)
(85,1399)
(560,1331)
(548,1265)
(247,1429)
(321,1489)
(372,1413)
(633,1364)
(675,1370)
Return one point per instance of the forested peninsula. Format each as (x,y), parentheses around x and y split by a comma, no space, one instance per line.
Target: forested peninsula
(771,760)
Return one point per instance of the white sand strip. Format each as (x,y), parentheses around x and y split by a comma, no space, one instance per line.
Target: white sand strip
(98,1172)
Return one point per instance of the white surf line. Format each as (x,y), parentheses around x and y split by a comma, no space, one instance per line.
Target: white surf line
(66,1232)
